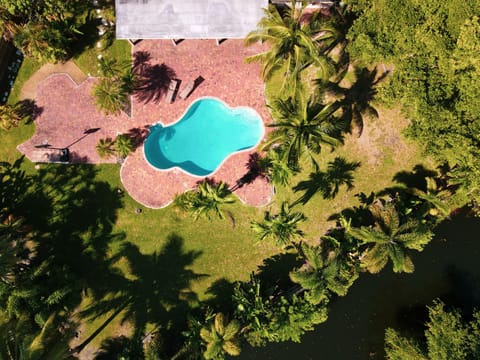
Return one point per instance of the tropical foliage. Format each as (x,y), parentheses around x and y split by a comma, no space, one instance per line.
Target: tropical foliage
(115,85)
(9,117)
(390,238)
(206,198)
(282,227)
(266,317)
(447,336)
(221,338)
(323,274)
(303,126)
(105,147)
(294,43)
(434,49)
(47,31)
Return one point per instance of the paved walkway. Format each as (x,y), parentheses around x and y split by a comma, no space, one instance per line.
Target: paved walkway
(67,110)
(69,67)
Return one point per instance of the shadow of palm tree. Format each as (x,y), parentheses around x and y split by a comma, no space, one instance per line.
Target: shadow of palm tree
(120,347)
(74,213)
(339,172)
(157,292)
(416,178)
(71,215)
(254,170)
(152,80)
(138,135)
(356,100)
(28,109)
(221,291)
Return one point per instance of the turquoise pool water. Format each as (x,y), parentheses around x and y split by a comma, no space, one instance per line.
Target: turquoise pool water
(204,137)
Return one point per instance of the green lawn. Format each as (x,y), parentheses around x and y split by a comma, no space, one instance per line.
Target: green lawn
(227,250)
(87,61)
(28,68)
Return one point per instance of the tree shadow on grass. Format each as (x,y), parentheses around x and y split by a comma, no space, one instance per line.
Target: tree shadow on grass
(275,270)
(339,173)
(221,291)
(157,291)
(71,215)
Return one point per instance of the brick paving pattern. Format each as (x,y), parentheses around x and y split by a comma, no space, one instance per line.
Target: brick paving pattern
(68,110)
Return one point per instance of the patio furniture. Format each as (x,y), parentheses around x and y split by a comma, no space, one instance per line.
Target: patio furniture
(187,90)
(172,88)
(47,155)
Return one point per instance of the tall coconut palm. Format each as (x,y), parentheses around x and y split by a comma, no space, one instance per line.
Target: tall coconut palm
(283,227)
(303,126)
(221,338)
(294,44)
(105,147)
(390,239)
(206,198)
(9,117)
(275,167)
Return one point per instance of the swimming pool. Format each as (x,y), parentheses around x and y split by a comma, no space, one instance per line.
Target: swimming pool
(207,134)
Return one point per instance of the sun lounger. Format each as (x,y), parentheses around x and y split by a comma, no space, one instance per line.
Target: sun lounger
(172,88)
(51,156)
(187,90)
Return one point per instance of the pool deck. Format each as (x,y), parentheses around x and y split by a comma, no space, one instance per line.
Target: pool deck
(67,111)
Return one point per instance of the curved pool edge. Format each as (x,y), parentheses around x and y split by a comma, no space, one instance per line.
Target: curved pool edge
(174,168)
(129,170)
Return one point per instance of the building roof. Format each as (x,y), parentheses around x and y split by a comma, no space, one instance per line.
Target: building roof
(187,19)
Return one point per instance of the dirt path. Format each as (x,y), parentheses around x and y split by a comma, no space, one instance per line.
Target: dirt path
(30,87)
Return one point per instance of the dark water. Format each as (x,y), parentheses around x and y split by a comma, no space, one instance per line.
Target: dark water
(449,269)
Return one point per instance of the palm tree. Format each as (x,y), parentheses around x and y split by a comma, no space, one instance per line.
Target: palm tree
(110,96)
(275,167)
(434,198)
(117,82)
(322,274)
(303,126)
(390,239)
(294,44)
(123,145)
(311,277)
(105,147)
(9,117)
(283,228)
(221,338)
(206,198)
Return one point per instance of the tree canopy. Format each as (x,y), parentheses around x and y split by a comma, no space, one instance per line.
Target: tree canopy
(434,48)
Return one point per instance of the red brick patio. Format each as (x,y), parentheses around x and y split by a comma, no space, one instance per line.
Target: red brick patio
(67,110)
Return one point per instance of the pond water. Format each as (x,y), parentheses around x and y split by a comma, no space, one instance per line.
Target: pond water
(449,269)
